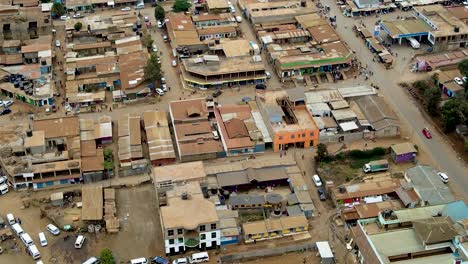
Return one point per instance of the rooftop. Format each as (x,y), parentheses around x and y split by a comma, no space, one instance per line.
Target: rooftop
(271,225)
(188,214)
(377,111)
(93,203)
(443,20)
(222,66)
(251,175)
(232,122)
(407,26)
(58,127)
(323,33)
(428,185)
(158,135)
(367,189)
(179,172)
(186,110)
(217,4)
(403,148)
(310,20)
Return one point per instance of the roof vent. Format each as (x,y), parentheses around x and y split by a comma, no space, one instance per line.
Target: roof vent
(184,196)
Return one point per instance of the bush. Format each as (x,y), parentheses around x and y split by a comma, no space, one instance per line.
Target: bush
(107,257)
(366,154)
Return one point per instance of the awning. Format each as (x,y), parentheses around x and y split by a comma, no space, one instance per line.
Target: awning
(347,126)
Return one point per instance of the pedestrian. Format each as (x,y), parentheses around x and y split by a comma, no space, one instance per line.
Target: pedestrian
(19,221)
(303,156)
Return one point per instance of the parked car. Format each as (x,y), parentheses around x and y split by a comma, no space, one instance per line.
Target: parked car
(160,24)
(42,239)
(165,38)
(5,111)
(154,48)
(268,74)
(159,91)
(159,260)
(427,133)
(146,19)
(217,93)
(163,79)
(3,179)
(7,103)
(180,261)
(126,9)
(174,63)
(238,19)
(260,86)
(57,43)
(53,229)
(64,17)
(164,87)
(458,80)
(443,177)
(322,194)
(316,180)
(78,15)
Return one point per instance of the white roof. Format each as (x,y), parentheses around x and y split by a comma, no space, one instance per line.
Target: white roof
(324,249)
(362,90)
(347,126)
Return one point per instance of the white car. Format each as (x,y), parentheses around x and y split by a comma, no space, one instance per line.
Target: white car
(125,9)
(154,48)
(458,80)
(174,63)
(160,24)
(3,179)
(77,15)
(180,261)
(238,19)
(164,87)
(64,17)
(443,177)
(42,239)
(163,79)
(159,91)
(53,229)
(7,103)
(57,43)
(146,19)
(316,180)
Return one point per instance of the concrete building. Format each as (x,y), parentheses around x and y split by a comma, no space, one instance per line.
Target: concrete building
(238,130)
(193,130)
(210,20)
(171,175)
(447,84)
(263,12)
(189,221)
(212,71)
(130,145)
(183,35)
(158,137)
(403,152)
(288,121)
(449,30)
(274,228)
(367,192)
(22,20)
(383,121)
(217,6)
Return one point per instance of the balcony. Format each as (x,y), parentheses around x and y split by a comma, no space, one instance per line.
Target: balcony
(192,242)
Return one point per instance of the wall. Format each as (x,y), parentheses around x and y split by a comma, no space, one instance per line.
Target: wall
(300,136)
(392,131)
(347,138)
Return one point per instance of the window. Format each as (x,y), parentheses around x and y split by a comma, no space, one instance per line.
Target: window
(292,136)
(213,235)
(202,236)
(311,134)
(202,228)
(170,232)
(171,241)
(280,137)
(213,226)
(303,134)
(180,240)
(180,231)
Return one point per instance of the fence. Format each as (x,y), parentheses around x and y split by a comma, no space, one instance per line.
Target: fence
(266,252)
(346,138)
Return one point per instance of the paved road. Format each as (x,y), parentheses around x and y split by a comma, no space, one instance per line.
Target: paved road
(437,147)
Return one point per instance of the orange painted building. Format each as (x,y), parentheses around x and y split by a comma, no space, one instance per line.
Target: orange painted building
(289,122)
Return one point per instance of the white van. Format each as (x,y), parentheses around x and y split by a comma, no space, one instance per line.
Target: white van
(139,261)
(17,228)
(199,257)
(79,241)
(42,239)
(92,260)
(27,240)
(34,252)
(11,219)
(317,180)
(3,189)
(414,43)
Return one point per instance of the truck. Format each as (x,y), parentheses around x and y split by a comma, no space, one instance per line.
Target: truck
(376,165)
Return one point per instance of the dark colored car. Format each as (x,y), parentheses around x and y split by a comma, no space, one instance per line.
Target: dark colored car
(159,260)
(5,111)
(260,86)
(217,93)
(322,194)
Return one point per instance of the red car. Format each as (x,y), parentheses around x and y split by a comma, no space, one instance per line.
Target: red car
(427,133)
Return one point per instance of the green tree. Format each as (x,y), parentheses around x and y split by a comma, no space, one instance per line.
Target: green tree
(433,98)
(153,69)
(108,159)
(147,41)
(78,26)
(159,13)
(454,112)
(421,85)
(463,68)
(106,256)
(322,152)
(58,9)
(181,5)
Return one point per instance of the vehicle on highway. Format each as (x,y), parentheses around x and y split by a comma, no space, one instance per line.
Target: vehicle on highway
(322,194)
(5,111)
(126,9)
(78,15)
(458,80)
(159,91)
(443,177)
(217,93)
(427,133)
(53,229)
(57,43)
(174,63)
